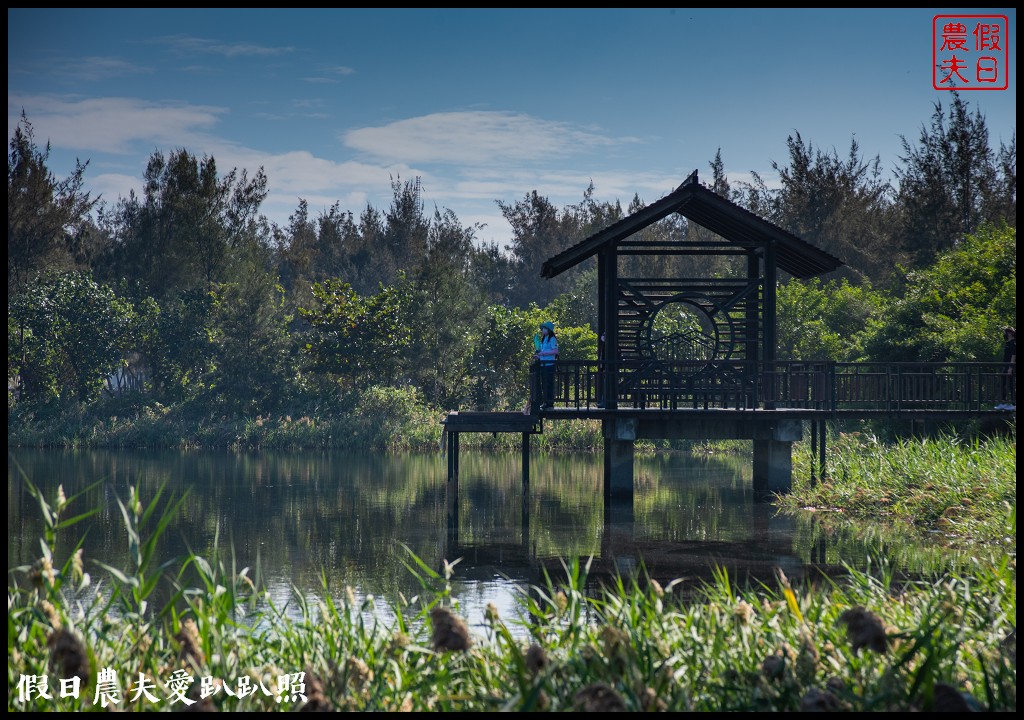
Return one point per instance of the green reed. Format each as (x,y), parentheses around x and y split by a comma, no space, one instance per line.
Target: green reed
(964,488)
(867,641)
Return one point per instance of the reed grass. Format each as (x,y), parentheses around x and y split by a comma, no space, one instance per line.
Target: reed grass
(860,643)
(960,488)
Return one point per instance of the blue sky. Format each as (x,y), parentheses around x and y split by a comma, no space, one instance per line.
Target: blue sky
(482,105)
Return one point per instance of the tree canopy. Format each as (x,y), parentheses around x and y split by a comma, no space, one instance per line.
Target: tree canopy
(215,305)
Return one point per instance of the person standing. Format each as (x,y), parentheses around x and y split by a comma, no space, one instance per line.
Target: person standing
(1009,370)
(545,355)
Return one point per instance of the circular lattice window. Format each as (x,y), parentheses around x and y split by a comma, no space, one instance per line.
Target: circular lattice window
(681,330)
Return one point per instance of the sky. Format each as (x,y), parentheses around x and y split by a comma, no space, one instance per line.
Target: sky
(482,105)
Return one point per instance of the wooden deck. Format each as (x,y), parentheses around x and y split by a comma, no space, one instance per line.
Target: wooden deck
(492,422)
(770,404)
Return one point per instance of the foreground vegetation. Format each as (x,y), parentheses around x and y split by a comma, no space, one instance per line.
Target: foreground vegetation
(867,641)
(863,643)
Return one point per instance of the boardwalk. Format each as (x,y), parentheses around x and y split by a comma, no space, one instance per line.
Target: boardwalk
(810,390)
(767,403)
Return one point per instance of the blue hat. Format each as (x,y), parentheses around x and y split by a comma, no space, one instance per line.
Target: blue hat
(549,325)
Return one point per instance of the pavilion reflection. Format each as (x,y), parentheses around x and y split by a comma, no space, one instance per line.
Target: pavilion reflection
(627,551)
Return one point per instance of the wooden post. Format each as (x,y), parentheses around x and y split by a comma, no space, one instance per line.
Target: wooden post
(525,516)
(526,462)
(452,490)
(823,433)
(814,450)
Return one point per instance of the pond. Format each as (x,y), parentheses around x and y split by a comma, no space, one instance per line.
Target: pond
(319,522)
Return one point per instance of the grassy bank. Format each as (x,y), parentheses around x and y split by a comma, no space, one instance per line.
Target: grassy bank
(378,418)
(964,490)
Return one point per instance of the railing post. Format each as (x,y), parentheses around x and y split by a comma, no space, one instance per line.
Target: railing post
(833,400)
(534,386)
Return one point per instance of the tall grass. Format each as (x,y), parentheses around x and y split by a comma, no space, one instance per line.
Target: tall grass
(960,488)
(864,642)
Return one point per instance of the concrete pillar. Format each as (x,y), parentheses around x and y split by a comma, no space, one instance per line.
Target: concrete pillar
(618,516)
(620,437)
(773,467)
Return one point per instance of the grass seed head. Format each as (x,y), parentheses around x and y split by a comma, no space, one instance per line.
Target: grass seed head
(68,655)
(598,697)
(864,630)
(450,631)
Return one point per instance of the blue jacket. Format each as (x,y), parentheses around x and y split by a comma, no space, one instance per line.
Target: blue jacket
(548,351)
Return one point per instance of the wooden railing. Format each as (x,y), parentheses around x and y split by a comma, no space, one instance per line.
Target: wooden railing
(819,385)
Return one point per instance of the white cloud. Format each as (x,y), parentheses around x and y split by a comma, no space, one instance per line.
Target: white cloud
(302,172)
(112,125)
(112,186)
(467,161)
(476,138)
(190,45)
(88,69)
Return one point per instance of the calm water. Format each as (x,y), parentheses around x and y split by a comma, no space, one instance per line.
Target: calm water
(299,517)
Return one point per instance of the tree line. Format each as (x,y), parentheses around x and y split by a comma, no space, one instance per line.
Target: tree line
(190,297)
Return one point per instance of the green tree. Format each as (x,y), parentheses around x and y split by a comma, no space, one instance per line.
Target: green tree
(360,340)
(371,266)
(954,309)
(446,310)
(46,217)
(182,234)
(824,320)
(1004,202)
(949,183)
(311,250)
(336,322)
(250,369)
(843,206)
(298,254)
(493,271)
(180,352)
(67,334)
(500,360)
(577,307)
(537,235)
(405,231)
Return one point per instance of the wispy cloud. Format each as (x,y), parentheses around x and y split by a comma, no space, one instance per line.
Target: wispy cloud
(95,68)
(302,172)
(476,138)
(466,160)
(188,44)
(112,125)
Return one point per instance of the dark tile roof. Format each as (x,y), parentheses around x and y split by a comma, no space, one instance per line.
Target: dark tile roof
(719,215)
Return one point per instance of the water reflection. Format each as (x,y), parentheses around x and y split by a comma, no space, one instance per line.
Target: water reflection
(289,516)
